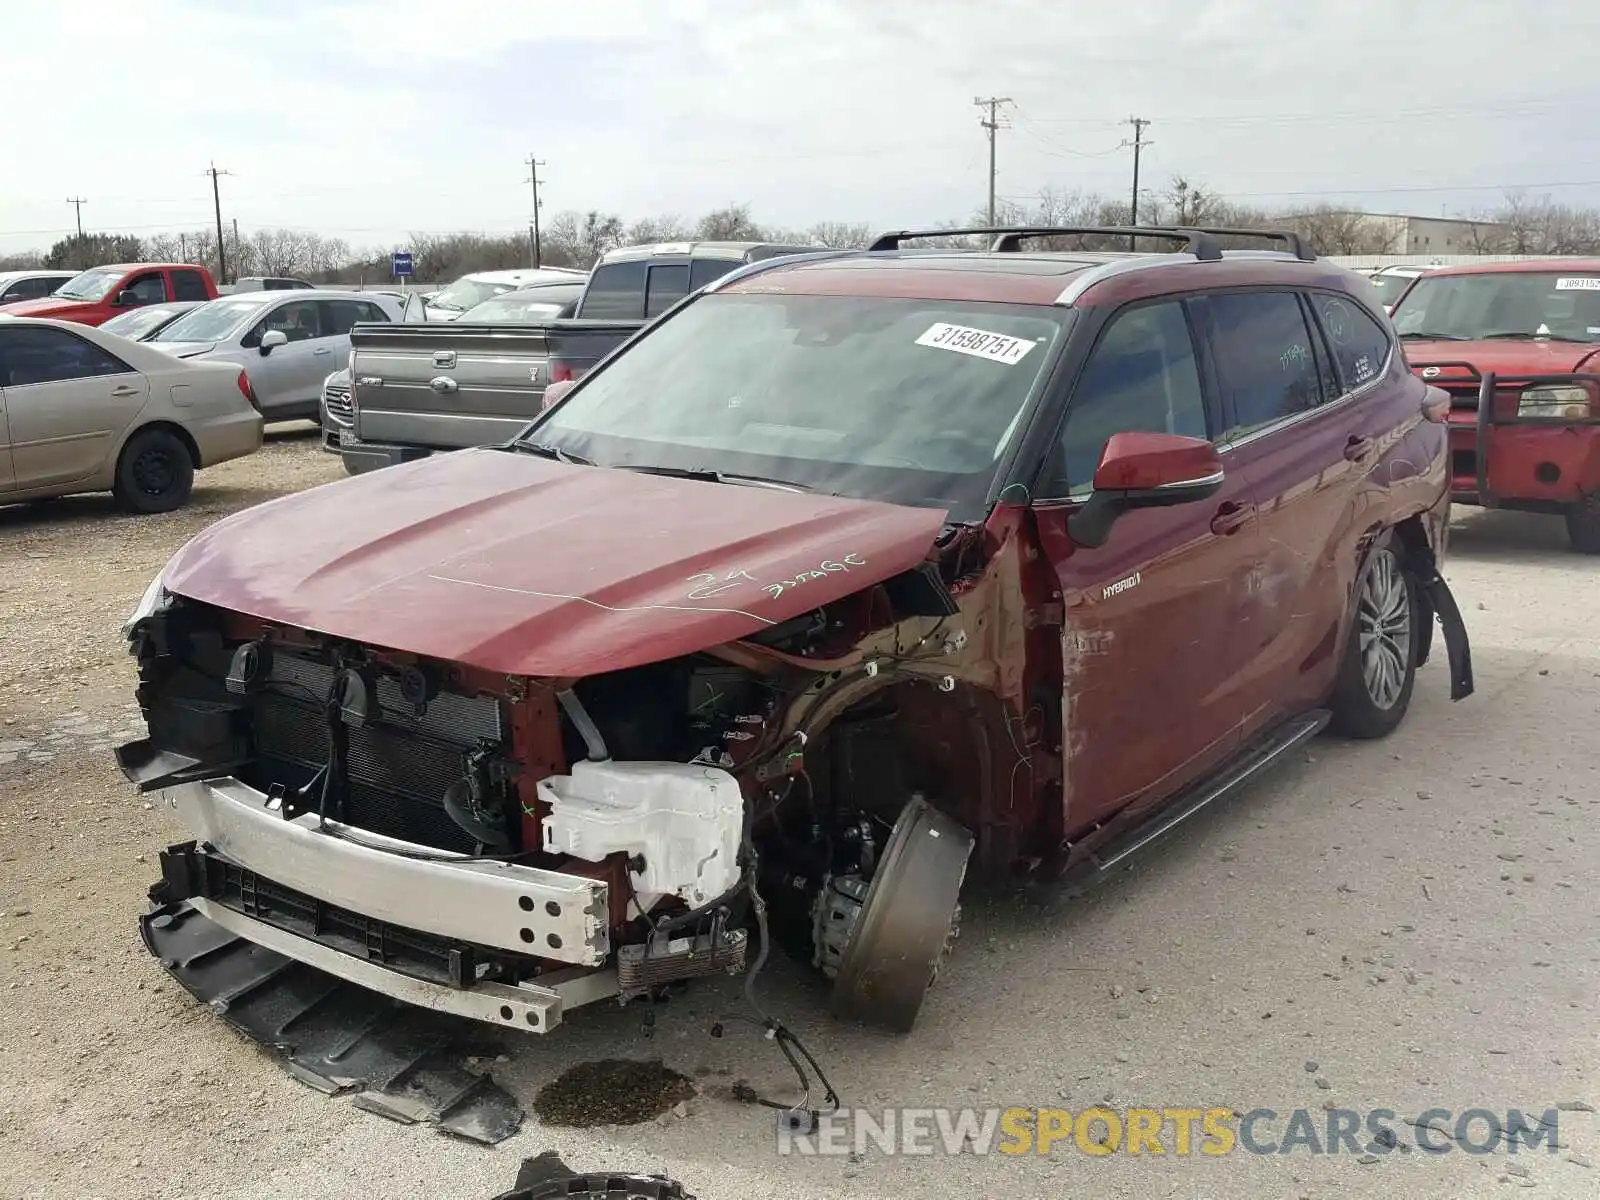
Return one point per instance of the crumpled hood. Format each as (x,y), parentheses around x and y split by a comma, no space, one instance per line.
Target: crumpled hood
(183,349)
(526,566)
(1503,357)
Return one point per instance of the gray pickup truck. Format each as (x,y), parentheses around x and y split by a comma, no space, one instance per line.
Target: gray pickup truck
(415,389)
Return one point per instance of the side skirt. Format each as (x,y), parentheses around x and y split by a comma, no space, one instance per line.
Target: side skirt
(1099,862)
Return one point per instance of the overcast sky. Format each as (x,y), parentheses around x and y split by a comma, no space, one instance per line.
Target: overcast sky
(364,119)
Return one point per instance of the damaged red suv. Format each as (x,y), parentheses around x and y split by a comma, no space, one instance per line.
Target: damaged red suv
(853,571)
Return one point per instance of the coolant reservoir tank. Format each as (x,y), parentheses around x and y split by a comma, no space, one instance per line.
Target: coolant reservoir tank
(684,819)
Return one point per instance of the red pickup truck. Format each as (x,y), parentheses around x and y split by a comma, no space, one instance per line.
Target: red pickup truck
(94,296)
(1517,347)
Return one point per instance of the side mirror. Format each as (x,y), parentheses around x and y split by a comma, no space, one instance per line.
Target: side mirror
(1144,470)
(127,298)
(556,390)
(273,338)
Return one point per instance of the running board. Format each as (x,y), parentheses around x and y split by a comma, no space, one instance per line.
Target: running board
(1284,738)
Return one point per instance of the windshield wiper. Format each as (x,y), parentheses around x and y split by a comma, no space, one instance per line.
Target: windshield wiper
(545,450)
(1507,335)
(709,476)
(1429,335)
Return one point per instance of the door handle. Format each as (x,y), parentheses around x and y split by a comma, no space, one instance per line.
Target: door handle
(124,390)
(1358,448)
(1231,517)
(322,350)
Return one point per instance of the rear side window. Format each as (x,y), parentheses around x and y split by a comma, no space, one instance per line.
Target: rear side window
(30,289)
(616,292)
(1141,377)
(189,285)
(668,283)
(1266,357)
(40,354)
(1360,346)
(703,270)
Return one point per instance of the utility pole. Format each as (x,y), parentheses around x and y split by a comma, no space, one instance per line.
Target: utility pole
(534,248)
(78,202)
(183,246)
(216,201)
(991,123)
(1138,144)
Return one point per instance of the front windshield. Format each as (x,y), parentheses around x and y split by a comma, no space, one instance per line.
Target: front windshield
(909,401)
(211,322)
(464,293)
(1562,306)
(134,325)
(90,285)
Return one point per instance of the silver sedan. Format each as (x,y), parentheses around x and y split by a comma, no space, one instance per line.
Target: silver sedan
(287,341)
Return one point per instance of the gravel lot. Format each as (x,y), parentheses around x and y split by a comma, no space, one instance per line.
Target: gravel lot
(1404,925)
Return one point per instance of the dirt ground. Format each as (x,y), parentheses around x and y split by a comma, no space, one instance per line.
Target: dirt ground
(1404,925)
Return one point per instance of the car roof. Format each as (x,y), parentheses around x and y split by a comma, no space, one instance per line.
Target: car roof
(274,295)
(1578,266)
(531,274)
(145,266)
(738,251)
(36,273)
(1025,277)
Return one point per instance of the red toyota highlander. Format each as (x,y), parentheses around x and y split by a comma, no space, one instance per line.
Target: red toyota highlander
(1515,344)
(853,570)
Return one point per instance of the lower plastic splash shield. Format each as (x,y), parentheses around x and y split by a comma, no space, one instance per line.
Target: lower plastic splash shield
(400,1061)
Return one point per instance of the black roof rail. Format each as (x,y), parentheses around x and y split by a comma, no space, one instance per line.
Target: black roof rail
(1199,242)
(1297,245)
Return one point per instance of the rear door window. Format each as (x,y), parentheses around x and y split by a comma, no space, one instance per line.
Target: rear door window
(704,270)
(1359,344)
(31,354)
(1266,358)
(668,283)
(339,315)
(189,285)
(616,292)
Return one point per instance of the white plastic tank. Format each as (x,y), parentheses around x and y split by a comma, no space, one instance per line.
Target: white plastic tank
(684,819)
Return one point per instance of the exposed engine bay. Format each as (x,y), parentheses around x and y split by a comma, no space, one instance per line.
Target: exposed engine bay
(508,848)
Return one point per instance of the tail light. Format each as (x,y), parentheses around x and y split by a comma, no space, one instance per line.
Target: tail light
(561,371)
(247,391)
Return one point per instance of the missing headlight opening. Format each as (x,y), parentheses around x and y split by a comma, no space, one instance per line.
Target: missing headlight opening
(522,844)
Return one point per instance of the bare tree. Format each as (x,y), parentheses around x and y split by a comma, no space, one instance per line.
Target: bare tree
(731,224)
(667,228)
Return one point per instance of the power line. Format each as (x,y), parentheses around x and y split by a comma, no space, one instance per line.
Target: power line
(992,124)
(216,202)
(533,166)
(1525,108)
(78,202)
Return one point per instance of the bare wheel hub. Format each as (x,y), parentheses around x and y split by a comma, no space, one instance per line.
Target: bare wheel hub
(883,943)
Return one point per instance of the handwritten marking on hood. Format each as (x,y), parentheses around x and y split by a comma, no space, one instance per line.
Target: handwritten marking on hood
(1121,585)
(828,566)
(707,584)
(626,608)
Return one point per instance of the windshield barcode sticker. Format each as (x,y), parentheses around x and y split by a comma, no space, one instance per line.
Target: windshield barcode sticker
(980,343)
(1578,283)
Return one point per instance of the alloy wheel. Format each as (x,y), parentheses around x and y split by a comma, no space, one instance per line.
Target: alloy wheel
(1383,621)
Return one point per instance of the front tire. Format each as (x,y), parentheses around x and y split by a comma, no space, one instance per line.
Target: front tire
(155,473)
(1583,524)
(1379,670)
